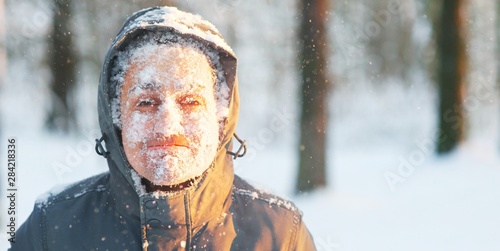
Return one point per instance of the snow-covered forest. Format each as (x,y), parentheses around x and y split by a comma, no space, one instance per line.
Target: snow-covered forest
(387,187)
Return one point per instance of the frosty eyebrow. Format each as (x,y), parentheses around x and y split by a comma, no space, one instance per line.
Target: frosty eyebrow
(146,86)
(154,86)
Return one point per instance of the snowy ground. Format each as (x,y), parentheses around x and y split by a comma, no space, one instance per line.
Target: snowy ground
(446,204)
(428,202)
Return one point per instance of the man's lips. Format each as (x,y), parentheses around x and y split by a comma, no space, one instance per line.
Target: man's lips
(174,140)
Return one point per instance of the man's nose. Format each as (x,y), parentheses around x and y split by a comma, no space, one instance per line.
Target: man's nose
(168,119)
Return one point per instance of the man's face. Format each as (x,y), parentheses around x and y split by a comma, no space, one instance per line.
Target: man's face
(169,125)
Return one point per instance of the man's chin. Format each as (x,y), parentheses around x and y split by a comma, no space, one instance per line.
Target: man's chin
(170,184)
(170,171)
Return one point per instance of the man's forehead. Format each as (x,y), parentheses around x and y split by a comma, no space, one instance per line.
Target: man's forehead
(179,53)
(155,86)
(155,73)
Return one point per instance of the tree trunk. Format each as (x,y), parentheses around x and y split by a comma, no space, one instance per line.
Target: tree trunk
(313,121)
(62,54)
(452,74)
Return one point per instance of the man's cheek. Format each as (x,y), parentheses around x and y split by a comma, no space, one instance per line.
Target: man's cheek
(202,119)
(139,127)
(191,124)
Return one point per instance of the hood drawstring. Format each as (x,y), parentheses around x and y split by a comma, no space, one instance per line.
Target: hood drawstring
(99,148)
(243,146)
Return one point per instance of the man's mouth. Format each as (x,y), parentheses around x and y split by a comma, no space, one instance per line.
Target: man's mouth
(171,141)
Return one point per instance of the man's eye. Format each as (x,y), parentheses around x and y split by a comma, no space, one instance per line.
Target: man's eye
(146,103)
(191,101)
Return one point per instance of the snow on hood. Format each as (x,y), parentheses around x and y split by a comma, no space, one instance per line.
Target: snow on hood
(166,20)
(183,22)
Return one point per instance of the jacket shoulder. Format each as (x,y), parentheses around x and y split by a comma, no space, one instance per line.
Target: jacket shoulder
(33,233)
(243,189)
(30,235)
(266,221)
(57,194)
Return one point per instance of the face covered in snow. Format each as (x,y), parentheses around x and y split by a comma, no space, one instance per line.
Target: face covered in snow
(169,121)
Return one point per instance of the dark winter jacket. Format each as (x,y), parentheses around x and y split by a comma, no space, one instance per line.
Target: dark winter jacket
(221,212)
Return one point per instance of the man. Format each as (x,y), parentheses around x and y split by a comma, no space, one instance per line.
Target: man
(168,108)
